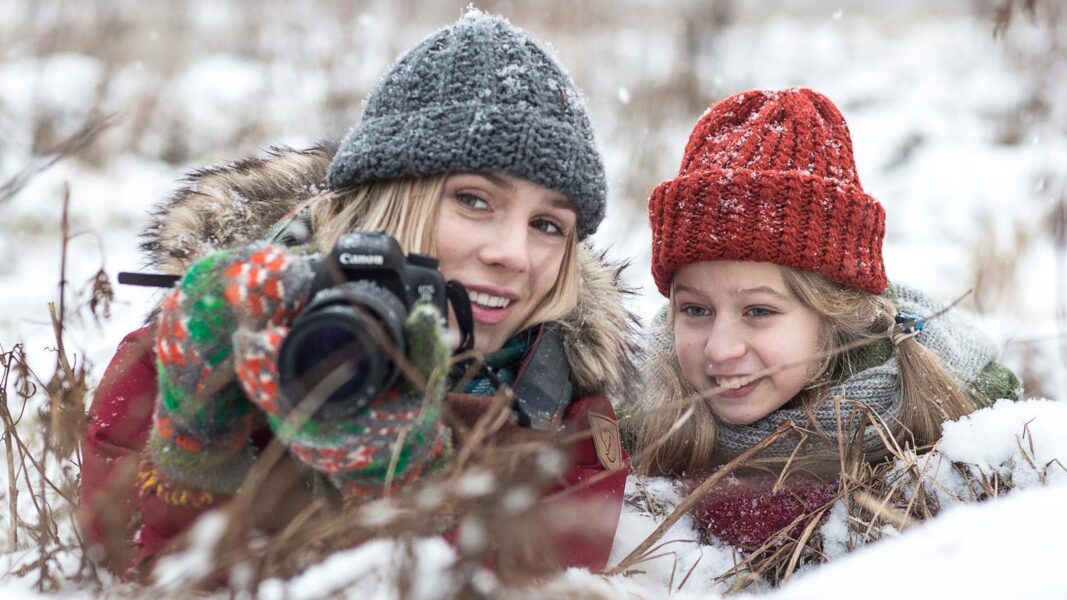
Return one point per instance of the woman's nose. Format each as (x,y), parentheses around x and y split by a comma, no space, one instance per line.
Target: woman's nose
(508,248)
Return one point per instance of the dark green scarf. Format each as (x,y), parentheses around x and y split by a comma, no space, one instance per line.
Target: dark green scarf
(503,363)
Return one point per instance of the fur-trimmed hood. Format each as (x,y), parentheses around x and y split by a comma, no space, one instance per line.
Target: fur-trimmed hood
(223,206)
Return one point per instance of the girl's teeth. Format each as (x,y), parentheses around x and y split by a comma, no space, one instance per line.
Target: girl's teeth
(484,299)
(731,384)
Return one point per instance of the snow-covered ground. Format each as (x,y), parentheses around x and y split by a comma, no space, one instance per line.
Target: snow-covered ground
(961,136)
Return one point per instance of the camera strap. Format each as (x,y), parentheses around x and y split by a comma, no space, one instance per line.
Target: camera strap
(461,306)
(542,386)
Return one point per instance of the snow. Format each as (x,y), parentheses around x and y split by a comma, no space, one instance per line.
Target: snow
(945,136)
(1027,437)
(368,571)
(196,561)
(1009,548)
(678,553)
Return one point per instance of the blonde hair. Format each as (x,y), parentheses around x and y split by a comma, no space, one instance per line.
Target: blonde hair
(930,394)
(407,209)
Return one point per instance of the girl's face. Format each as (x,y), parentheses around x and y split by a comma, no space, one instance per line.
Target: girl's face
(733,319)
(503,238)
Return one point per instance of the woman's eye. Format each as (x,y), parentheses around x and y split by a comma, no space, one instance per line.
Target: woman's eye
(695,310)
(475,202)
(547,226)
(760,312)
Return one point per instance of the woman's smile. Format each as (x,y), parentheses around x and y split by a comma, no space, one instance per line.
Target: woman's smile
(491,305)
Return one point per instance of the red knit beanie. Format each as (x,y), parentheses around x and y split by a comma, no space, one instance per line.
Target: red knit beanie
(769,177)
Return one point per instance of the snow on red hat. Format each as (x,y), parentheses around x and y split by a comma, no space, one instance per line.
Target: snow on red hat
(769,177)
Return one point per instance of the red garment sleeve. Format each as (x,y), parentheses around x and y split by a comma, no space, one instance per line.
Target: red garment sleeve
(127,528)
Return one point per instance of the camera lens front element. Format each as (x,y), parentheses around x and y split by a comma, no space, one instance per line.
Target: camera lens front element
(336,358)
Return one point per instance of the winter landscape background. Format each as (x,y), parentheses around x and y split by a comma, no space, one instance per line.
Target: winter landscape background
(960,132)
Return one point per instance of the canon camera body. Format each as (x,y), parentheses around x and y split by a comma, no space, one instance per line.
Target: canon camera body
(342,349)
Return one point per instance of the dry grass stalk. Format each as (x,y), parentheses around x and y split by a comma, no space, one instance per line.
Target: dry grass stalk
(10,359)
(54,467)
(90,131)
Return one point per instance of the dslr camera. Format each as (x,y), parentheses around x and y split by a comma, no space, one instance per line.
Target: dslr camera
(350,334)
(348,337)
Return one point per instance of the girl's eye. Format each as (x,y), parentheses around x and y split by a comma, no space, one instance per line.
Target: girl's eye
(547,226)
(760,312)
(695,310)
(474,202)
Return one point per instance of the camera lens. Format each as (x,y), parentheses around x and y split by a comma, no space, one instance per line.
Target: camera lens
(334,356)
(332,347)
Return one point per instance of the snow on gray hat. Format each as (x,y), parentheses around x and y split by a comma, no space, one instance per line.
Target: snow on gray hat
(479,95)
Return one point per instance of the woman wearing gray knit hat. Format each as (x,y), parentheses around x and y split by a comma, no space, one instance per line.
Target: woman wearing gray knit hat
(780,321)
(474,149)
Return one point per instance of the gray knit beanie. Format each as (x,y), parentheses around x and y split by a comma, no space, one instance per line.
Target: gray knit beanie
(479,95)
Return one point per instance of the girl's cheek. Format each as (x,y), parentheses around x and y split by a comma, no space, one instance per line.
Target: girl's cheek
(689,352)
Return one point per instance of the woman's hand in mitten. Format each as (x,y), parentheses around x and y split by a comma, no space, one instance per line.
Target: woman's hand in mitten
(203,418)
(394,440)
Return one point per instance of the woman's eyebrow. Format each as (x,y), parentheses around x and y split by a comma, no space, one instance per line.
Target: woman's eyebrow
(556,200)
(497,180)
(561,202)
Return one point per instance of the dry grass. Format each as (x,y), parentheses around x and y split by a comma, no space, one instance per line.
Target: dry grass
(42,460)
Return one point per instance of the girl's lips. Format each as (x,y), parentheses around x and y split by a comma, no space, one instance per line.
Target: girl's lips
(740,392)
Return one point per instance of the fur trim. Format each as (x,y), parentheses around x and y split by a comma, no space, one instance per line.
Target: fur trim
(227,205)
(600,334)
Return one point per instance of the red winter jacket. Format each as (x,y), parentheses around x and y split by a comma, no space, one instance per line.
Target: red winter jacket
(113,510)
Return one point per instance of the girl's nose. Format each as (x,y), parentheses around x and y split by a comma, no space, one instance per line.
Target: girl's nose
(724,344)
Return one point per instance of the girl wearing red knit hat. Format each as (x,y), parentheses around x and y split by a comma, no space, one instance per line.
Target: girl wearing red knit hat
(770,253)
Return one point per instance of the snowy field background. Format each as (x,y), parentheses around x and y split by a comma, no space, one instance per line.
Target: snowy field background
(961,135)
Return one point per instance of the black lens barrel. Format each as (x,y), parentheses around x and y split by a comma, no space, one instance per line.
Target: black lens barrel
(336,358)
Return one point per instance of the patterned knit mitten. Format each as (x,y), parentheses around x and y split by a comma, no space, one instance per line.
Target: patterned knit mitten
(746,512)
(200,438)
(396,440)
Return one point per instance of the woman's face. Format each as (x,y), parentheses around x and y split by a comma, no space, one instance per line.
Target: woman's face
(733,319)
(503,238)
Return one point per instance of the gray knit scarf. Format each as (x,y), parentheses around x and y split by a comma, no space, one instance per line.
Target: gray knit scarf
(963,349)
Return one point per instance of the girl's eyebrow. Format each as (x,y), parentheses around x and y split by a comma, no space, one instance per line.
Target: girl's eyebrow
(763,289)
(681,287)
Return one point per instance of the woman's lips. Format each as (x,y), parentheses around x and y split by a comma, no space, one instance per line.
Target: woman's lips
(489,316)
(490,305)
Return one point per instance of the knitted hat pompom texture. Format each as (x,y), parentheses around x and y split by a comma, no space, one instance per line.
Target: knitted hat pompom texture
(769,176)
(478,96)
